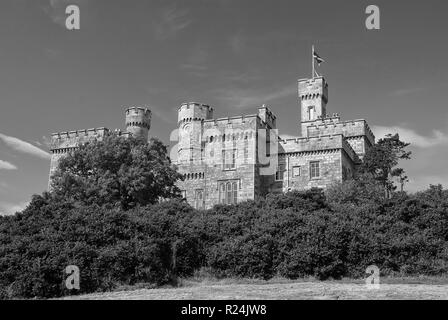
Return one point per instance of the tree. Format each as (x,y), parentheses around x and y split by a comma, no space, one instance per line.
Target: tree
(116,171)
(362,191)
(381,160)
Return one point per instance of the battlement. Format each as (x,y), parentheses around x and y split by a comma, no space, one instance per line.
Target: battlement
(230,120)
(313,88)
(193,111)
(316,144)
(138,116)
(72,139)
(350,128)
(138,110)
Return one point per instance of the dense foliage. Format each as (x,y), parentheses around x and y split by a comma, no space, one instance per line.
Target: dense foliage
(116,171)
(293,235)
(381,162)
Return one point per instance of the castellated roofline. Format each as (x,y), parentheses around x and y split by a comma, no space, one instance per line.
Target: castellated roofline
(231,119)
(196,104)
(143,109)
(317,144)
(72,139)
(311,80)
(360,126)
(75,133)
(194,111)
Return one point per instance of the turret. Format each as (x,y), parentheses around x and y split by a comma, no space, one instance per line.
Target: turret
(190,118)
(138,122)
(313,99)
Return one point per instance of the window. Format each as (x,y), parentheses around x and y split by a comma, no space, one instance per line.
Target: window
(314,169)
(222,196)
(228,159)
(235,192)
(199,199)
(246,150)
(296,171)
(279,174)
(228,192)
(311,113)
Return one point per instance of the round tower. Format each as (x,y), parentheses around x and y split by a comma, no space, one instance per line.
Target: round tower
(138,122)
(190,118)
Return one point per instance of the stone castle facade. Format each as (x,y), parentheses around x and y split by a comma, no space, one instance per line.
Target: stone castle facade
(233,159)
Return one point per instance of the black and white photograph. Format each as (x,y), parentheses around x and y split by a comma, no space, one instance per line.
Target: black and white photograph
(219,156)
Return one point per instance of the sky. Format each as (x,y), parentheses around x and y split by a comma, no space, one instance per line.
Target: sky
(234,55)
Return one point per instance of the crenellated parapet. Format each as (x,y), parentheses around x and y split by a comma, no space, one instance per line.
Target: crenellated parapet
(194,111)
(72,139)
(352,128)
(319,144)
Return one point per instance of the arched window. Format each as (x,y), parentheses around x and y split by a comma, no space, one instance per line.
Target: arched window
(228,192)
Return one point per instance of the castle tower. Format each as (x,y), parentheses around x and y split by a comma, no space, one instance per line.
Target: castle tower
(313,99)
(190,118)
(138,122)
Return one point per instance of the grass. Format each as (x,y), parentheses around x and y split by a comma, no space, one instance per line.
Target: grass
(205,281)
(418,288)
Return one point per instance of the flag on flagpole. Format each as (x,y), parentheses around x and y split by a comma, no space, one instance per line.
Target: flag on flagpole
(316,57)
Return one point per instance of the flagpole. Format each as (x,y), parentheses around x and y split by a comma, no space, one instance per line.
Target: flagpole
(312,59)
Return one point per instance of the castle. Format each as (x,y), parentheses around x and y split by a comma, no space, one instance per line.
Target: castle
(233,159)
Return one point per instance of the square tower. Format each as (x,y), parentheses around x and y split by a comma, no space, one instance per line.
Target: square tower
(313,99)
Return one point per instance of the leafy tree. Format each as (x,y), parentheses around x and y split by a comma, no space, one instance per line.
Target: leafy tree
(116,171)
(363,191)
(382,159)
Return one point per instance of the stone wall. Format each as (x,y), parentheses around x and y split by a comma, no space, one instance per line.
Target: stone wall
(236,133)
(330,167)
(330,151)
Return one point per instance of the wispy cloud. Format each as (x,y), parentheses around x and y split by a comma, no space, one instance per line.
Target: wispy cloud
(245,98)
(196,62)
(408,91)
(237,43)
(8,208)
(423,181)
(5,165)
(171,21)
(409,135)
(245,77)
(24,147)
(161,115)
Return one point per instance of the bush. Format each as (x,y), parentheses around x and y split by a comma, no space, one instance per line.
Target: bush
(298,234)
